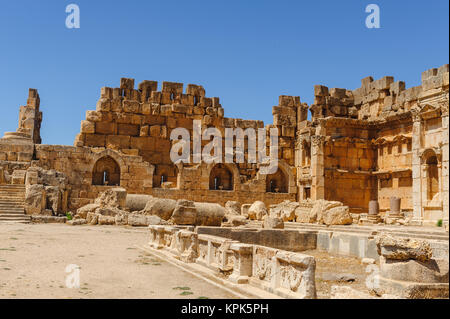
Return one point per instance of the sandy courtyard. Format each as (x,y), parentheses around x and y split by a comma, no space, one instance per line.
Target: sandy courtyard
(34,257)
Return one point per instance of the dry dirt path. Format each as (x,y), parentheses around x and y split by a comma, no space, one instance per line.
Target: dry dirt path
(34,257)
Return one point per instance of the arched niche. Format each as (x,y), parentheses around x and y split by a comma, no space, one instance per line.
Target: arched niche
(106,172)
(221,178)
(277,182)
(166,174)
(431,168)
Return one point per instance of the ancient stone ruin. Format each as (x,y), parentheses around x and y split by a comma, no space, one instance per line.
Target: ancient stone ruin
(363,161)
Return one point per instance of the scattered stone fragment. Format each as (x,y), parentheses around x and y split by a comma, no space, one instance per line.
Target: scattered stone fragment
(403,248)
(272,223)
(257,211)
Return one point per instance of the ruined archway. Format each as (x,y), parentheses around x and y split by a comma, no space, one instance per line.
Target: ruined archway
(220,178)
(106,172)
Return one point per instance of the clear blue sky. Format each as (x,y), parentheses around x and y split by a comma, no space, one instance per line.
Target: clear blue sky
(245,52)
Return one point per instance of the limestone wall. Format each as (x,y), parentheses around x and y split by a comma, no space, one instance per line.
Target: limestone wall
(371,143)
(377,142)
(77,163)
(136,175)
(140,122)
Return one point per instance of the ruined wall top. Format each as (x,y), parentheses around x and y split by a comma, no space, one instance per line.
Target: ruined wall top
(171,93)
(192,103)
(378,99)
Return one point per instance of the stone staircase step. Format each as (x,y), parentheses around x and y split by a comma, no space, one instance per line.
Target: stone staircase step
(12,211)
(6,193)
(11,203)
(12,216)
(2,215)
(11,206)
(12,198)
(7,196)
(24,220)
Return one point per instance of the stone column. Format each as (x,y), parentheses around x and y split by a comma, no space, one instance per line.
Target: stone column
(374,210)
(243,263)
(416,171)
(317,167)
(445,161)
(374,207)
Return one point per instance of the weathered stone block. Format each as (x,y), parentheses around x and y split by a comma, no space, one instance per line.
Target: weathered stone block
(87,127)
(128,129)
(105,128)
(127,83)
(320,90)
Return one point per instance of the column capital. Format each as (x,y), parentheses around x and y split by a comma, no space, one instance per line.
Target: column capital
(415,113)
(444,107)
(317,140)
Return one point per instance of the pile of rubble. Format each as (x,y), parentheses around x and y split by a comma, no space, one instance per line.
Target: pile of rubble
(113,207)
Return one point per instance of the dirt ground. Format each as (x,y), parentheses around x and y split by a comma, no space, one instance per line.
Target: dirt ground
(34,257)
(334,270)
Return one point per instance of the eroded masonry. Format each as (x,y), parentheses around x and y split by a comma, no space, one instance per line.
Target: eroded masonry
(380,142)
(359,184)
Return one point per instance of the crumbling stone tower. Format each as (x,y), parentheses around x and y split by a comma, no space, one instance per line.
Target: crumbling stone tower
(30,118)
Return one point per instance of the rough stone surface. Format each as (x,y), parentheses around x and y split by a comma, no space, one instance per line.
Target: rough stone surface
(115,197)
(48,219)
(35,199)
(305,215)
(92,218)
(209,214)
(285,211)
(185,213)
(106,220)
(403,248)
(234,221)
(257,211)
(85,210)
(273,223)
(145,220)
(336,216)
(232,208)
(160,207)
